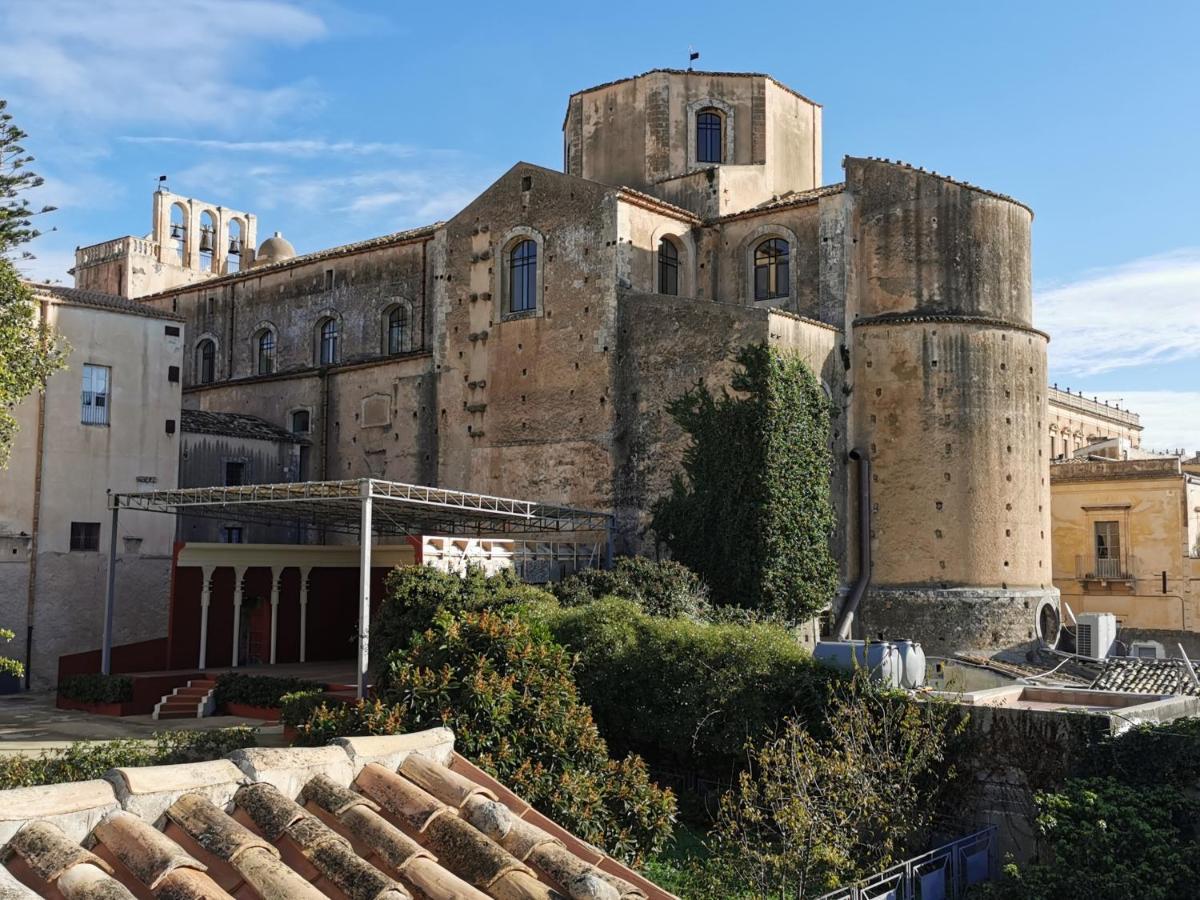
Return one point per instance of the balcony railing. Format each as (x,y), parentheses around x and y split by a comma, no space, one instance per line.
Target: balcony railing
(94,409)
(942,874)
(1090,567)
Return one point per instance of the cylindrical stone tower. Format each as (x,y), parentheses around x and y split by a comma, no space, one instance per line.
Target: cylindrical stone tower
(949,400)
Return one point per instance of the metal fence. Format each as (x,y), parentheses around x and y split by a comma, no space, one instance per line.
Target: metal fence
(1092,567)
(941,874)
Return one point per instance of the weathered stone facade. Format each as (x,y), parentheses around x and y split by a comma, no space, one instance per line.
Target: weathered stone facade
(660,251)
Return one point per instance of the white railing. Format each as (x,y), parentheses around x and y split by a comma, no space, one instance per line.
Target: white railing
(115,249)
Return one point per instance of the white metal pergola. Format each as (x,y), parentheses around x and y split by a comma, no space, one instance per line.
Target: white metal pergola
(365,507)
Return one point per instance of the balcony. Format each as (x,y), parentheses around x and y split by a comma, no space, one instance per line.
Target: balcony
(1090,567)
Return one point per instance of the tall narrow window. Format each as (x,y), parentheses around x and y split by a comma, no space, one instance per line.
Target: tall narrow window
(708,137)
(206,361)
(522,277)
(329,342)
(266,352)
(95,396)
(1108,549)
(397,325)
(771,278)
(668,267)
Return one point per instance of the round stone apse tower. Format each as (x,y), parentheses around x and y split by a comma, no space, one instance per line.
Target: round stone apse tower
(948,402)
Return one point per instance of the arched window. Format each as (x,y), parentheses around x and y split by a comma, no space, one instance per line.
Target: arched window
(522,277)
(208,242)
(668,267)
(206,361)
(708,136)
(397,330)
(178,233)
(328,348)
(771,273)
(266,352)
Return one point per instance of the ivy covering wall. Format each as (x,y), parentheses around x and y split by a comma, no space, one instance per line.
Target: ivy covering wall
(751,510)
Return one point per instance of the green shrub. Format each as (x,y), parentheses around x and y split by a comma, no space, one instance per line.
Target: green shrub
(687,694)
(258,690)
(85,760)
(416,594)
(297,707)
(660,588)
(509,697)
(96,688)
(751,511)
(1105,840)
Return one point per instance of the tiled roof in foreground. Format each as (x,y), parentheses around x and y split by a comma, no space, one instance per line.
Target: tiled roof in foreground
(375,818)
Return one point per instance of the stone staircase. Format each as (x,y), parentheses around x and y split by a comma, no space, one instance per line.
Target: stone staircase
(191,702)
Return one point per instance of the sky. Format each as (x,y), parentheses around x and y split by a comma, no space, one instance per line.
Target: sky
(337,121)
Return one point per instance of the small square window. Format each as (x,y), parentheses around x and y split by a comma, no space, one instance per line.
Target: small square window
(235,473)
(172,330)
(170,426)
(300,421)
(526,182)
(231,534)
(85,535)
(173,374)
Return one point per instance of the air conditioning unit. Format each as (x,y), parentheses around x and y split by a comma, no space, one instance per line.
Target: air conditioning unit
(1095,634)
(1147,650)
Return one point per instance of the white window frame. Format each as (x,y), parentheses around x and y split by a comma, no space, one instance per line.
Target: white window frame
(92,412)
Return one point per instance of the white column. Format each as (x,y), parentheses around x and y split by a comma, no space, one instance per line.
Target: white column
(275,580)
(206,572)
(239,573)
(364,584)
(304,571)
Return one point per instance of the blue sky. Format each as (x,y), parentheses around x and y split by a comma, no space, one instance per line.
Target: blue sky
(338,121)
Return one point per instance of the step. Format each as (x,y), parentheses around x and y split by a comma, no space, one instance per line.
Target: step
(188,702)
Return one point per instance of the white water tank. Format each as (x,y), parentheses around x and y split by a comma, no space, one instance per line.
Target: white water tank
(881,659)
(912,658)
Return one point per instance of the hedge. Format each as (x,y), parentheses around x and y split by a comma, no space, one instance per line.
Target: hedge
(85,760)
(96,688)
(258,690)
(685,693)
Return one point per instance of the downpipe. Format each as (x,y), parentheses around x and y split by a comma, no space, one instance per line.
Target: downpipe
(841,629)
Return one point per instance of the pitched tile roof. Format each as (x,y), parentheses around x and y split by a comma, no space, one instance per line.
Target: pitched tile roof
(98,300)
(1131,675)
(199,421)
(379,818)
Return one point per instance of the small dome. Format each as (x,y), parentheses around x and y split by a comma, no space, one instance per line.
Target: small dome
(274,249)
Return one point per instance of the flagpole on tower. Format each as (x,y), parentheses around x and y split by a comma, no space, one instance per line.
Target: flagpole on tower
(693,55)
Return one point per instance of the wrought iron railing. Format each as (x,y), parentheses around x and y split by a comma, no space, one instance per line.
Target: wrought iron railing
(94,408)
(941,874)
(1092,567)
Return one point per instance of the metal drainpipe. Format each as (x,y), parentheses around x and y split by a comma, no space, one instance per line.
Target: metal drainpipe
(35,518)
(841,630)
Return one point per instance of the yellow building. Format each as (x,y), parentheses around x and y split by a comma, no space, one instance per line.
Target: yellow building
(1126,540)
(1075,421)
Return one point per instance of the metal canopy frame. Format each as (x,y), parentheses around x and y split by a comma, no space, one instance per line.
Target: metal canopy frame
(363,506)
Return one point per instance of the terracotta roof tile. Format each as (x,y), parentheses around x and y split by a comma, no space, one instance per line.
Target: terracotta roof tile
(98,300)
(302,823)
(1131,675)
(200,421)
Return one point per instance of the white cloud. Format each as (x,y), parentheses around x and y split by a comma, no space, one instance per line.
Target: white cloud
(297,147)
(127,60)
(1141,313)
(1170,419)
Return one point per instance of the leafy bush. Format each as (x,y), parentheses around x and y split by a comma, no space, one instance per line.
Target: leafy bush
(91,759)
(684,693)
(96,688)
(751,511)
(13,667)
(509,697)
(296,708)
(258,690)
(660,588)
(814,813)
(416,594)
(1105,840)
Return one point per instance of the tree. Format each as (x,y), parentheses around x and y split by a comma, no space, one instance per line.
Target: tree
(751,511)
(814,813)
(29,350)
(16,215)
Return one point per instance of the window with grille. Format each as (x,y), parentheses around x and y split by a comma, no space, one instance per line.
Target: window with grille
(329,342)
(231,534)
(668,267)
(771,269)
(266,352)
(522,277)
(206,361)
(96,397)
(85,535)
(708,137)
(1108,548)
(397,326)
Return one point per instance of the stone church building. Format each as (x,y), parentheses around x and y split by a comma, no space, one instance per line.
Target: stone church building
(528,346)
